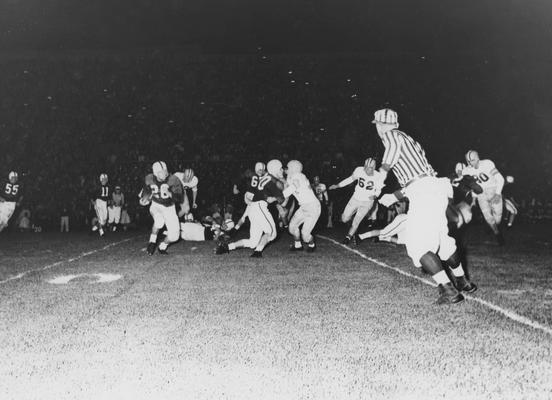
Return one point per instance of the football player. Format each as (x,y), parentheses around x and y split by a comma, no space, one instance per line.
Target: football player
(459,210)
(101,196)
(369,183)
(321,192)
(10,197)
(306,216)
(491,180)
(163,191)
(189,182)
(262,230)
(114,209)
(208,230)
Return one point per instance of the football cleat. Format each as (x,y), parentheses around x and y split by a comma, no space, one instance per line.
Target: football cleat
(163,251)
(222,248)
(94,228)
(356,239)
(347,240)
(101,232)
(462,284)
(293,248)
(311,249)
(151,248)
(256,254)
(500,239)
(448,294)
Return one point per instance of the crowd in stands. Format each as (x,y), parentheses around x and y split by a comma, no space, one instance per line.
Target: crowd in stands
(66,118)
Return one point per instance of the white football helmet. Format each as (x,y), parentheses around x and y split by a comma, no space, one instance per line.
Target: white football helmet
(159,169)
(294,167)
(274,168)
(472,158)
(260,168)
(188,175)
(459,167)
(13,176)
(103,179)
(369,166)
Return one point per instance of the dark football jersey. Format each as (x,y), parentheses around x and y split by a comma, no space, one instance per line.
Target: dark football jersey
(11,191)
(266,186)
(103,192)
(166,193)
(463,188)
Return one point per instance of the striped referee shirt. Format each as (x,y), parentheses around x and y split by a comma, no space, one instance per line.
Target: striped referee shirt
(404,156)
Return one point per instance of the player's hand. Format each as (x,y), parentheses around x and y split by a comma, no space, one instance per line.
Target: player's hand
(388,199)
(194,206)
(333,187)
(237,227)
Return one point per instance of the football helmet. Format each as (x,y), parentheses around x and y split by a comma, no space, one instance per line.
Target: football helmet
(274,168)
(459,167)
(159,169)
(472,158)
(369,166)
(294,167)
(103,178)
(13,176)
(260,168)
(188,175)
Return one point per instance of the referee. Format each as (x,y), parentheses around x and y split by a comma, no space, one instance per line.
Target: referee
(426,233)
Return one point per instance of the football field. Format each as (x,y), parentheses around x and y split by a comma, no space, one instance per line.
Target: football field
(84,317)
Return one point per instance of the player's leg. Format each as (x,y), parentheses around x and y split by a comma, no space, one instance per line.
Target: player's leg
(116,217)
(512,211)
(185,206)
(101,213)
(349,211)
(497,204)
(330,214)
(313,211)
(485,207)
(362,212)
(4,217)
(269,230)
(158,223)
(255,232)
(294,228)
(422,234)
(173,228)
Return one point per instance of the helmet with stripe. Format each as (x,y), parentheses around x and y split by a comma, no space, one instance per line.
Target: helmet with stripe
(188,175)
(159,169)
(13,176)
(369,165)
(459,167)
(472,158)
(386,116)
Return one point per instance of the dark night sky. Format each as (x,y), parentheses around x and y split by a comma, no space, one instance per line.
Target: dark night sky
(472,26)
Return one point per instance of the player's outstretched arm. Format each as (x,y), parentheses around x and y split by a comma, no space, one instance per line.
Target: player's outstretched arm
(343,183)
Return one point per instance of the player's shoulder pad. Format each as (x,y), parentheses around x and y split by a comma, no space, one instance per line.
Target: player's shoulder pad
(487,163)
(358,172)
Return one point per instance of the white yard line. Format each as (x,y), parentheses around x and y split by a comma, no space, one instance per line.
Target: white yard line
(49,266)
(505,312)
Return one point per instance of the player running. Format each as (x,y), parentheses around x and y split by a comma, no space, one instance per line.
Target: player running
(163,191)
(369,183)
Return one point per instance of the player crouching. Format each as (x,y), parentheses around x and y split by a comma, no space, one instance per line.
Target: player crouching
(262,228)
(163,191)
(303,221)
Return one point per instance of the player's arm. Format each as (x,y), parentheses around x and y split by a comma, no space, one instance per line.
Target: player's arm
(499,180)
(194,194)
(343,183)
(389,199)
(177,190)
(392,152)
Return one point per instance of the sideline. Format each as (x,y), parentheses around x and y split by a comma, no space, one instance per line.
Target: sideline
(87,253)
(507,313)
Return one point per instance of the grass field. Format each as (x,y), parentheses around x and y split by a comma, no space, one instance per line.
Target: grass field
(327,325)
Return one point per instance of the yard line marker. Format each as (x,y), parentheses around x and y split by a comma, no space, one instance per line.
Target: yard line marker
(49,266)
(507,313)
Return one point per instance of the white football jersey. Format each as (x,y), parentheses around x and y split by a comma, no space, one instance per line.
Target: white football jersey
(484,174)
(300,187)
(367,186)
(187,185)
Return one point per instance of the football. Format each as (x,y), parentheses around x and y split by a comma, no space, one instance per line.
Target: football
(145,196)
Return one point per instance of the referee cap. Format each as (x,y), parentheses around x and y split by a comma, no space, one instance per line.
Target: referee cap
(386,116)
